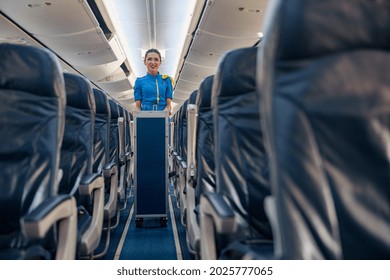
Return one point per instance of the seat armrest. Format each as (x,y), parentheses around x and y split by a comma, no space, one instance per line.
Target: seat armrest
(91,182)
(215,206)
(183,164)
(216,218)
(59,209)
(128,156)
(191,144)
(109,169)
(93,185)
(178,158)
(122,159)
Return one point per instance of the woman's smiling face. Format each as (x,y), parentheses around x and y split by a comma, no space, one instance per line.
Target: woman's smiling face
(152,62)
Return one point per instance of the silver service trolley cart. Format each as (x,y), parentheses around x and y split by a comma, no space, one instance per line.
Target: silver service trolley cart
(151,166)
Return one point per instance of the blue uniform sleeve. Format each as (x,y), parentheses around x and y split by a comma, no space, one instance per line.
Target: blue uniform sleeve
(169,92)
(137,90)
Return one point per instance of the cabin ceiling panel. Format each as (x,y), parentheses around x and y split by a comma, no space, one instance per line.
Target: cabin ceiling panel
(181,92)
(68,69)
(82,49)
(10,33)
(202,57)
(117,75)
(70,16)
(180,100)
(186,86)
(195,73)
(122,96)
(186,46)
(69,28)
(236,19)
(115,86)
(116,47)
(214,45)
(180,95)
(99,72)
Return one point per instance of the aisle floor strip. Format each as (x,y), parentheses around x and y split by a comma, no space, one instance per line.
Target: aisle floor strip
(124,233)
(179,254)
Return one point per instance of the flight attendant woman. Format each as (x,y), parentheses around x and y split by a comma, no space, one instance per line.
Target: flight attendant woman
(153,91)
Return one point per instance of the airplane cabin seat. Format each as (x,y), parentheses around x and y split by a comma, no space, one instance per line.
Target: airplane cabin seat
(182,162)
(192,229)
(123,156)
(204,150)
(115,142)
(102,163)
(326,87)
(205,140)
(176,158)
(76,162)
(36,222)
(243,229)
(128,153)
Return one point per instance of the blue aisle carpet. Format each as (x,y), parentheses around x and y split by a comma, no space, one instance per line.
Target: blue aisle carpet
(180,230)
(116,233)
(149,242)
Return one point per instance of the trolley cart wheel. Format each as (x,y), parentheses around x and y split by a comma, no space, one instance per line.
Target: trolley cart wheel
(164,221)
(139,222)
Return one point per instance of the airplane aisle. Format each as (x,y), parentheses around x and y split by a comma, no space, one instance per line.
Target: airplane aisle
(151,241)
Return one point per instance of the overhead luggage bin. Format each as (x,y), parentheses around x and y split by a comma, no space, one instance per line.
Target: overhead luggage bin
(151,166)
